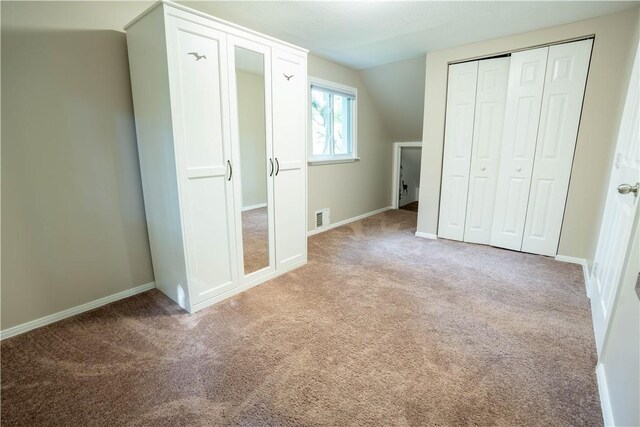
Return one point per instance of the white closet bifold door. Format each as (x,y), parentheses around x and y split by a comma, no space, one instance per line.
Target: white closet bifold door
(491,94)
(458,136)
(565,80)
(524,99)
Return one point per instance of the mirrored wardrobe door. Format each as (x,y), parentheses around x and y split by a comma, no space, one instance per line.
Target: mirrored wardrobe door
(251,134)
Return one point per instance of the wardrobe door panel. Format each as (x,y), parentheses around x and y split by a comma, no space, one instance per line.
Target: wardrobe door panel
(458,136)
(565,81)
(289,149)
(491,93)
(197,69)
(524,99)
(251,136)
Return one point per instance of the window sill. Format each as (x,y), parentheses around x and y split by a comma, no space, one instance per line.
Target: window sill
(332,161)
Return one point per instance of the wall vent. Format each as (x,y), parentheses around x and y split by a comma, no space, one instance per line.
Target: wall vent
(322,218)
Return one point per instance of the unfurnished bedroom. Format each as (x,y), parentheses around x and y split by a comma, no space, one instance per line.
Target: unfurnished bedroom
(336,213)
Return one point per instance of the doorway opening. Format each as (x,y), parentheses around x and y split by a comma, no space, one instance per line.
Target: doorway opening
(407,157)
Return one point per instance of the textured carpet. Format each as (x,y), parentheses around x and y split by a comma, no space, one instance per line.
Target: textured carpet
(380,328)
(255,239)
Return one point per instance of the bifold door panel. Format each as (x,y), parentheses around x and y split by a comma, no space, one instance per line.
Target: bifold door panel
(461,100)
(510,135)
(524,100)
(565,80)
(491,96)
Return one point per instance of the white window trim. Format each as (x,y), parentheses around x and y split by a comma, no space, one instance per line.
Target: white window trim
(340,158)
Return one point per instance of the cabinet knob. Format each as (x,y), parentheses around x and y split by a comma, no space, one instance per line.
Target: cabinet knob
(518,169)
(483,169)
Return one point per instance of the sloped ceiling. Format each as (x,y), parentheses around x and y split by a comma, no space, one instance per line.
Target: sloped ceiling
(359,34)
(363,34)
(398,91)
(387,40)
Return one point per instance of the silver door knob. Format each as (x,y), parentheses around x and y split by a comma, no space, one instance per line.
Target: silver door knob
(519,170)
(483,168)
(627,188)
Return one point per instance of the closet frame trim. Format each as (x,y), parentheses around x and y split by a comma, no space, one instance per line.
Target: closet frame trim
(511,51)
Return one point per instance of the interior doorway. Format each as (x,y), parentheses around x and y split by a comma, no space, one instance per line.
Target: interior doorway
(407,158)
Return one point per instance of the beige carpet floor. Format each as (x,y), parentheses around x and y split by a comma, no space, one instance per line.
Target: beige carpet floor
(255,239)
(380,328)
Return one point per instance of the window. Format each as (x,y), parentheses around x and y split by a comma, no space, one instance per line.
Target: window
(333,122)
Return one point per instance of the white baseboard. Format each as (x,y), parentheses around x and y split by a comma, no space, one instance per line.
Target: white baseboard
(585,269)
(426,235)
(55,317)
(258,206)
(603,390)
(347,221)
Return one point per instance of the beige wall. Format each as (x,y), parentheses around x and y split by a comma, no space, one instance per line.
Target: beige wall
(352,189)
(613,53)
(253,156)
(73,225)
(397,89)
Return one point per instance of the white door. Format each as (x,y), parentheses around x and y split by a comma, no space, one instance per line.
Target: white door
(458,137)
(565,80)
(524,99)
(289,149)
(493,78)
(198,80)
(620,211)
(618,367)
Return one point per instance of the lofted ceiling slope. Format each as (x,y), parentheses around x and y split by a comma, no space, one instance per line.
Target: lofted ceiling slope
(397,89)
(362,34)
(385,40)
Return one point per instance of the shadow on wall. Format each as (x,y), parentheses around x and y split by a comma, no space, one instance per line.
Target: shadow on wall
(73,225)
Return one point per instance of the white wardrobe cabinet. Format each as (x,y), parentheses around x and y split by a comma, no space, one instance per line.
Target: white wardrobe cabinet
(192,77)
(517,201)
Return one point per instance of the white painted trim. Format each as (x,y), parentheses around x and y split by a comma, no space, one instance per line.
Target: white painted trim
(395,177)
(330,84)
(55,317)
(333,161)
(252,207)
(426,235)
(585,269)
(320,160)
(347,221)
(603,390)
